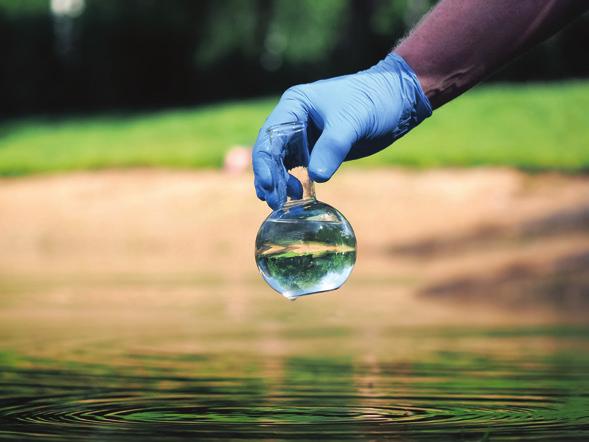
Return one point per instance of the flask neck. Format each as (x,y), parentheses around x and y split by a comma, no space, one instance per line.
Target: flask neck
(308,186)
(289,149)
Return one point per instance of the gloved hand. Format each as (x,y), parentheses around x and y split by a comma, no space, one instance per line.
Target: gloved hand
(347,117)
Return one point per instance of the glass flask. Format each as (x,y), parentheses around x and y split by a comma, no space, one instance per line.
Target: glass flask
(305,246)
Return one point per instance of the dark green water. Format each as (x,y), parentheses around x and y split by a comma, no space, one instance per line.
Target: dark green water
(299,273)
(139,382)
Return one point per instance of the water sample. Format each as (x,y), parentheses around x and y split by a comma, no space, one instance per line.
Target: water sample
(306,246)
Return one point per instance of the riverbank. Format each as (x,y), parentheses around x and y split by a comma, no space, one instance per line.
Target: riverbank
(485,240)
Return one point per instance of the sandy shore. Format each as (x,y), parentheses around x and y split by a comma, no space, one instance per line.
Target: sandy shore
(481,237)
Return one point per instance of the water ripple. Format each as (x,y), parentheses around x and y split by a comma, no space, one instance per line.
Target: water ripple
(134,396)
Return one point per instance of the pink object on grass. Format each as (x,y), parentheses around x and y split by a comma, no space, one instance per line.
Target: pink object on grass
(238,160)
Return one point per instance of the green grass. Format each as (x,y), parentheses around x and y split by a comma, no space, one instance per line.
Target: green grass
(193,138)
(535,127)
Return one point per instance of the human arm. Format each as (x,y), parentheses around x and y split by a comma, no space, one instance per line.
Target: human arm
(460,42)
(454,47)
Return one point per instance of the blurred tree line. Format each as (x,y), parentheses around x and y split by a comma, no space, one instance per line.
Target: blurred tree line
(83,55)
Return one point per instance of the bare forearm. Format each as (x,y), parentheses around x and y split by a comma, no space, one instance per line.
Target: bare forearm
(460,42)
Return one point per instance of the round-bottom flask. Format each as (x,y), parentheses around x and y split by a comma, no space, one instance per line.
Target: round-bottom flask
(306,246)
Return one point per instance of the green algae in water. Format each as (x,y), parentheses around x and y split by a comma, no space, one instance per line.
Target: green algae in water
(305,249)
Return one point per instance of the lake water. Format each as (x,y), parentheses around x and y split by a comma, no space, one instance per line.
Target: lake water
(133,362)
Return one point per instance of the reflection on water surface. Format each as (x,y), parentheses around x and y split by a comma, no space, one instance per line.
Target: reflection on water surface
(134,365)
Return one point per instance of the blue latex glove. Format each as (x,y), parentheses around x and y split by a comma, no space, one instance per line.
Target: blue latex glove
(347,117)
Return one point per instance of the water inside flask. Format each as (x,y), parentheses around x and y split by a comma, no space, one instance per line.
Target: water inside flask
(306,246)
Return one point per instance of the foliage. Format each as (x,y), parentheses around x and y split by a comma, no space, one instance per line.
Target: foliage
(306,271)
(138,54)
(23,8)
(272,31)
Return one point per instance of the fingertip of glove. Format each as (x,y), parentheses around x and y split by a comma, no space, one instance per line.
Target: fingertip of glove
(294,188)
(322,167)
(260,193)
(273,200)
(320,175)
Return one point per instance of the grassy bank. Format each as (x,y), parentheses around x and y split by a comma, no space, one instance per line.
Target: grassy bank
(535,127)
